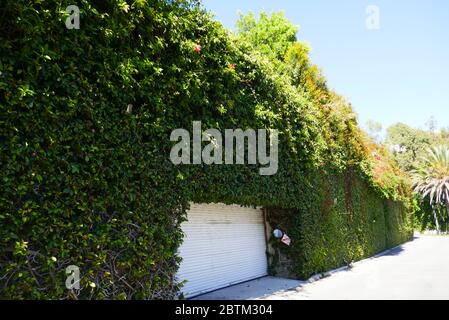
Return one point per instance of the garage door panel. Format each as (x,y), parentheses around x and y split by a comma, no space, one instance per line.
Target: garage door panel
(223,245)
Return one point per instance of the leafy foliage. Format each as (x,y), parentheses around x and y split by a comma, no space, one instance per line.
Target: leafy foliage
(341,220)
(83,182)
(410,149)
(411,145)
(272,34)
(86,117)
(431,181)
(431,178)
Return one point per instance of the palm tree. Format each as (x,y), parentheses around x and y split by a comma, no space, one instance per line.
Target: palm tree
(431,179)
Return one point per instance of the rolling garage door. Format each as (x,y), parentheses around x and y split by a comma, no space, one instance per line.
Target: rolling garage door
(223,245)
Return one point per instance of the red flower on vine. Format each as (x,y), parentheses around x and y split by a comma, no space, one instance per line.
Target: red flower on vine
(232,66)
(197,48)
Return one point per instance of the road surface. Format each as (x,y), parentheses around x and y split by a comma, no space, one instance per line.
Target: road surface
(416,270)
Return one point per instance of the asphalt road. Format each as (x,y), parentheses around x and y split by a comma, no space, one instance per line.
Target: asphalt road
(416,270)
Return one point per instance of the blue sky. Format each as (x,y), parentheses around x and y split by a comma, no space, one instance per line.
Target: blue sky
(399,73)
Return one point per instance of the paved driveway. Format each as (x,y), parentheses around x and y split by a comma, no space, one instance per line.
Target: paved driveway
(416,270)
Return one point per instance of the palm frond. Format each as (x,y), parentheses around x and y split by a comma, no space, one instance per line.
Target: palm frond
(431,178)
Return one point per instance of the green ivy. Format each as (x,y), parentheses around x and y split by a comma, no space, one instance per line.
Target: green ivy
(87,181)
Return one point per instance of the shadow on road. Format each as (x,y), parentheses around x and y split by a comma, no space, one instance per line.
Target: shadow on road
(394,252)
(253,289)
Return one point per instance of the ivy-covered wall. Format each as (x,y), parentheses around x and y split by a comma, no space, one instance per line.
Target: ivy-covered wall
(348,222)
(85,121)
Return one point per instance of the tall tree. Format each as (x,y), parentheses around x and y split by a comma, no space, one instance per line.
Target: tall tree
(274,37)
(431,180)
(432,124)
(271,34)
(409,145)
(374,130)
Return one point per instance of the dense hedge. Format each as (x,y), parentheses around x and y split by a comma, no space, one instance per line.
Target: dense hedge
(86,178)
(345,221)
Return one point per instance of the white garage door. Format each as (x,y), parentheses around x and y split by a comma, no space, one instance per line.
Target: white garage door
(223,245)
